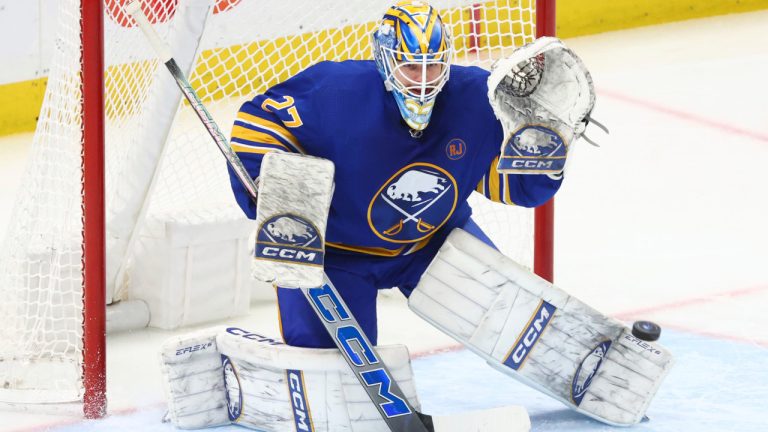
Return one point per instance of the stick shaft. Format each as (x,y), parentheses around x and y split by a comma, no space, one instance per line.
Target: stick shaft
(190,94)
(362,358)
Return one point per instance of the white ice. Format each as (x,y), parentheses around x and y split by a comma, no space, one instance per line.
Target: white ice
(668,220)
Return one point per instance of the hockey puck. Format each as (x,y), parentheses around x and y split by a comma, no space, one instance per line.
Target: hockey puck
(646,330)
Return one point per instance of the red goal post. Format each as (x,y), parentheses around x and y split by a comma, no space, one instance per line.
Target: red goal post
(94,244)
(544,221)
(68,251)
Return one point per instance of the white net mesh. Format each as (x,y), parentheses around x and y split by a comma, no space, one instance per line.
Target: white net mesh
(160,163)
(40,295)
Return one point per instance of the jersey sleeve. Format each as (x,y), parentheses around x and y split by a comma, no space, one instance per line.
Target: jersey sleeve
(525,190)
(269,122)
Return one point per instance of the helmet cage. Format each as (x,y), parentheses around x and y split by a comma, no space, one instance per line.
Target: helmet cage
(423,88)
(415,97)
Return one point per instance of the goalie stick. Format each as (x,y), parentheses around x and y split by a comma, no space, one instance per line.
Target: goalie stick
(342,326)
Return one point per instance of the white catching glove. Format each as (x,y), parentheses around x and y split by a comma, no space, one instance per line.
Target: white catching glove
(542,94)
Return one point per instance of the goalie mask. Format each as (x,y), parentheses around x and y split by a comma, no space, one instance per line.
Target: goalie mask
(412,50)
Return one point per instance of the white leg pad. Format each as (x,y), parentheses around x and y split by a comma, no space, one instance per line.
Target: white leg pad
(529,329)
(286,388)
(222,376)
(193,378)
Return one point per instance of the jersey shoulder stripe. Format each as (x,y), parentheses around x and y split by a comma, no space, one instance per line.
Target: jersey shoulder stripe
(239,147)
(253,138)
(260,124)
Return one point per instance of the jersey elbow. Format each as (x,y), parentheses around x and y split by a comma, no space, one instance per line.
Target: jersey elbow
(539,190)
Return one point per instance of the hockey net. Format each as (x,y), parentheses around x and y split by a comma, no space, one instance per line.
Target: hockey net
(160,163)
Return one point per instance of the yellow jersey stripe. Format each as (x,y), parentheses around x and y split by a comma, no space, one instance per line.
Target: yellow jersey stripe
(241,148)
(239,132)
(273,127)
(378,251)
(493,182)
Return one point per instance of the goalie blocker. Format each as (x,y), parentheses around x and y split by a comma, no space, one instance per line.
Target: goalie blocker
(292,214)
(529,329)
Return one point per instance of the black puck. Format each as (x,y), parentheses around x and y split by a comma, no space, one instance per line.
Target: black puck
(646,330)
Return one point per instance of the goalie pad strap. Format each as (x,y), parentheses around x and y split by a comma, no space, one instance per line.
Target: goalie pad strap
(260,383)
(537,333)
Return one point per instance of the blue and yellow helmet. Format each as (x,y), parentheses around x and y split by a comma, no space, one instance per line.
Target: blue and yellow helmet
(413,53)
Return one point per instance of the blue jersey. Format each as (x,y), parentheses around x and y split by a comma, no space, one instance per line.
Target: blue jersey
(393,192)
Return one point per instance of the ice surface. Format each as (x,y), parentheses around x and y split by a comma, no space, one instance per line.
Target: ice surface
(715,385)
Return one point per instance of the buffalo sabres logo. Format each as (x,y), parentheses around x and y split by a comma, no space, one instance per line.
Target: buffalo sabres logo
(413,203)
(587,370)
(289,238)
(534,147)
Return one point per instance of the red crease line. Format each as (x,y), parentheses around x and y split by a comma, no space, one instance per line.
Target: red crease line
(693,118)
(691,301)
